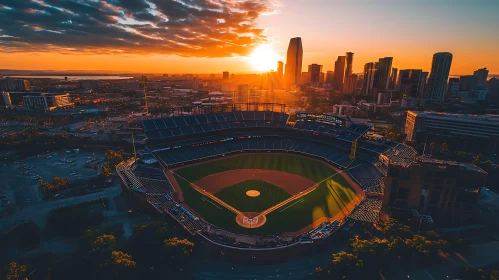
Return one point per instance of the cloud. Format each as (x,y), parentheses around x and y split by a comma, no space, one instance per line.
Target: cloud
(200,28)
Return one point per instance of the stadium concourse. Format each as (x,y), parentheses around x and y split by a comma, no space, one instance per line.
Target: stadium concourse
(180,141)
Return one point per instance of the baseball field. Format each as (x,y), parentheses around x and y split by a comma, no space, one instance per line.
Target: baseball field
(297,192)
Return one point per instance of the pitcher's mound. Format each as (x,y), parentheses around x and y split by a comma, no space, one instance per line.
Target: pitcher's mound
(252,193)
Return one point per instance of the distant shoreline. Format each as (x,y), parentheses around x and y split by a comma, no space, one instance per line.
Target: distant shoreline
(74,77)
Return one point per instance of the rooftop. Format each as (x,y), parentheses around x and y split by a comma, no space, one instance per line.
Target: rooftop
(449,164)
(468,117)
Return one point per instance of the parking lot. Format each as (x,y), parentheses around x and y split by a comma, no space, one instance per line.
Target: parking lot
(20,181)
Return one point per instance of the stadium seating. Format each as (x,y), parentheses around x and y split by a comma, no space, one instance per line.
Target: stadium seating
(367,211)
(194,153)
(190,124)
(368,177)
(324,230)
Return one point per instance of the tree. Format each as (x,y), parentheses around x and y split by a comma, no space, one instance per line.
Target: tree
(179,247)
(14,271)
(106,171)
(392,227)
(45,186)
(103,243)
(494,275)
(342,265)
(478,160)
(444,150)
(372,251)
(444,146)
(425,247)
(113,158)
(122,259)
(60,182)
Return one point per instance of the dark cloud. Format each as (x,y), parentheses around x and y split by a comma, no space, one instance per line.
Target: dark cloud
(207,28)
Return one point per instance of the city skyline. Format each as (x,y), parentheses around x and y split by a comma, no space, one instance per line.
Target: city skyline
(458,27)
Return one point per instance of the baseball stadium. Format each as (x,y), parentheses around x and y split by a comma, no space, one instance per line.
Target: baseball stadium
(254,177)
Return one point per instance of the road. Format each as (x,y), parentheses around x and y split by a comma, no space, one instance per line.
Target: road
(294,269)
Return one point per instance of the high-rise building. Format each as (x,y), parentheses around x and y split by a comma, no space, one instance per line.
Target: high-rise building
(314,73)
(383,73)
(423,84)
(481,75)
(439,75)
(411,82)
(468,83)
(304,77)
(280,69)
(294,59)
(493,88)
(350,82)
(9,84)
(349,69)
(339,73)
(393,79)
(330,77)
(243,93)
(369,73)
(453,87)
(225,75)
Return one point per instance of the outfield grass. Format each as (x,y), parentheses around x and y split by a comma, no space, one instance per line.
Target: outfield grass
(236,197)
(326,201)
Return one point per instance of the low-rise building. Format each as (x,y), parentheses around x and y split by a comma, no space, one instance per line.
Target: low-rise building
(462,131)
(447,191)
(9,84)
(47,101)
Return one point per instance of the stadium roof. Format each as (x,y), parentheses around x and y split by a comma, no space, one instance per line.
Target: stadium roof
(353,132)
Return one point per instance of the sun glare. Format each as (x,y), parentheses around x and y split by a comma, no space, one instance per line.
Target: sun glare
(264,58)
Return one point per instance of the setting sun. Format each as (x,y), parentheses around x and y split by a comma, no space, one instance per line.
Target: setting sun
(263,58)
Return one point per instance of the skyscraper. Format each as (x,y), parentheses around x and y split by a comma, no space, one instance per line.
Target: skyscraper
(280,69)
(439,75)
(423,84)
(349,58)
(411,82)
(393,79)
(350,83)
(225,75)
(468,83)
(383,73)
(453,87)
(330,77)
(339,73)
(314,73)
(294,59)
(369,72)
(481,75)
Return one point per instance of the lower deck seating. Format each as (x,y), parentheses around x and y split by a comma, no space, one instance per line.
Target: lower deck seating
(188,154)
(367,211)
(370,179)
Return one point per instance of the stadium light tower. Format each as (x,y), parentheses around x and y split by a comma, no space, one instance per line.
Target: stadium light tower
(144,85)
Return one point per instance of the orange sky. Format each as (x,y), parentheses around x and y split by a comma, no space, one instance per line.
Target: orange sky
(410,34)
